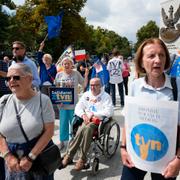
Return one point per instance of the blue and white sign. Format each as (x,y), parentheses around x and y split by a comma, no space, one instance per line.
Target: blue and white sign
(151,130)
(61,95)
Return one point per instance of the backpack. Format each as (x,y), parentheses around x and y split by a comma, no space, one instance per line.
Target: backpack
(175,95)
(174,88)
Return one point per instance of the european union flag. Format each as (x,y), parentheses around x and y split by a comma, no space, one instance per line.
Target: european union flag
(99,70)
(175,70)
(54,25)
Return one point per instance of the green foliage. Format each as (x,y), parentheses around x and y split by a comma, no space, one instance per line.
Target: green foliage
(29,26)
(147,31)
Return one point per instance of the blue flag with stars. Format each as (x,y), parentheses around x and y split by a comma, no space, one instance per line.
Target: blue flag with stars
(175,70)
(54,25)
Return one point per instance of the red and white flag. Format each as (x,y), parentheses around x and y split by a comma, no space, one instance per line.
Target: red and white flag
(80,55)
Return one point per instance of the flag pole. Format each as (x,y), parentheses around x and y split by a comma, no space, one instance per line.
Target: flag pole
(45,37)
(86,61)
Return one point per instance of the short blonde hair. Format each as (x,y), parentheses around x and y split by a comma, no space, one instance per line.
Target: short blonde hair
(67,59)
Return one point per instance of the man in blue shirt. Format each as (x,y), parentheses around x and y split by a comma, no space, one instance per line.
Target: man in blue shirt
(19,55)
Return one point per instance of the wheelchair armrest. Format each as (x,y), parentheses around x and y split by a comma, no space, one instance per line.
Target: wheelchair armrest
(102,124)
(76,122)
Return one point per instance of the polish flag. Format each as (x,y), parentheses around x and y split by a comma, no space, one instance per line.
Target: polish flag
(80,55)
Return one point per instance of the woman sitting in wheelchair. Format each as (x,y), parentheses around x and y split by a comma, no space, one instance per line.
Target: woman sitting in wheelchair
(92,107)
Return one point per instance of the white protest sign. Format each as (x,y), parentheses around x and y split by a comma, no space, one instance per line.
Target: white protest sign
(151,131)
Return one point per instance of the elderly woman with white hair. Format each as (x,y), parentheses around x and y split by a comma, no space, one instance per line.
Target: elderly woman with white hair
(47,70)
(36,117)
(70,78)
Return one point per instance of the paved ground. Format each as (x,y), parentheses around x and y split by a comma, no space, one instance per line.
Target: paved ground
(109,169)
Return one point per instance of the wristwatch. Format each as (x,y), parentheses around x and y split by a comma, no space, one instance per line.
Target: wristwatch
(32,156)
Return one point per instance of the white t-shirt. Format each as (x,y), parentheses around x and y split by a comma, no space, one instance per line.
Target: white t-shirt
(31,118)
(70,81)
(114,67)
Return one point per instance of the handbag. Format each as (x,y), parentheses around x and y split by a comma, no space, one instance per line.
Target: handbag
(49,159)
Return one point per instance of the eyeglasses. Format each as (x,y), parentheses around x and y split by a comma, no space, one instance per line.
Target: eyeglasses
(16,48)
(94,85)
(15,78)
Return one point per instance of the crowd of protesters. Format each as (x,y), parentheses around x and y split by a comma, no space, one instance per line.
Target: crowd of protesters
(110,70)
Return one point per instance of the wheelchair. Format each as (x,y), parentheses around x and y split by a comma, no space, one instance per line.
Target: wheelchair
(105,141)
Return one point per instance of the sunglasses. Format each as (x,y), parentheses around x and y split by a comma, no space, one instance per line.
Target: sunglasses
(16,48)
(15,78)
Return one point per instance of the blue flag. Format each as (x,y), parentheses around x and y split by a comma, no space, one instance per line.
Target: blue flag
(99,70)
(54,25)
(175,70)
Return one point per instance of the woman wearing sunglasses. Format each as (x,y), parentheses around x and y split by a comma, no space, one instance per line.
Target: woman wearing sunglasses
(33,108)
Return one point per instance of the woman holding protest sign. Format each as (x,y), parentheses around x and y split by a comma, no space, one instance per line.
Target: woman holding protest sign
(68,78)
(152,58)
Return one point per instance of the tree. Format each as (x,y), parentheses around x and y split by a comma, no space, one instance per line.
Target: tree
(29,26)
(5,22)
(148,31)
(30,20)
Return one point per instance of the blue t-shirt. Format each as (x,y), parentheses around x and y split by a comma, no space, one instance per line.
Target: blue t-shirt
(36,80)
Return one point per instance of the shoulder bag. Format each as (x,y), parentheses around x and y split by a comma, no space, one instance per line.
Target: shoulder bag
(49,159)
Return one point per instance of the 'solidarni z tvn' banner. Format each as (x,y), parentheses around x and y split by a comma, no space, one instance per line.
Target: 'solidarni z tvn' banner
(151,131)
(169,30)
(61,95)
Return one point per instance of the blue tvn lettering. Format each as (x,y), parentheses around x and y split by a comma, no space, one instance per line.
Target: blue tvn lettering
(149,142)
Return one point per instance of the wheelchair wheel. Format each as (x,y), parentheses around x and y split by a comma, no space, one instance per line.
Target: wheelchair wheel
(111,140)
(95,166)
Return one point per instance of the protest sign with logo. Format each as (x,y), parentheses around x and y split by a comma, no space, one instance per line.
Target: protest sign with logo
(151,131)
(61,95)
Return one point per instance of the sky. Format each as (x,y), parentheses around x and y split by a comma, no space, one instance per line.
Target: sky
(125,17)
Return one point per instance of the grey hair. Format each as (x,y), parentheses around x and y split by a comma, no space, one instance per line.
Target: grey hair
(48,56)
(25,69)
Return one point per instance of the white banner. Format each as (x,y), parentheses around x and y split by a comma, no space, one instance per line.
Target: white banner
(170,25)
(151,131)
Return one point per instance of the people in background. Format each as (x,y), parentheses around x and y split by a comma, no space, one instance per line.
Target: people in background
(125,74)
(7,60)
(19,56)
(81,67)
(3,72)
(114,67)
(47,70)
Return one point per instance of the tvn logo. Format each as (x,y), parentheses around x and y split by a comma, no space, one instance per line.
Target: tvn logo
(149,142)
